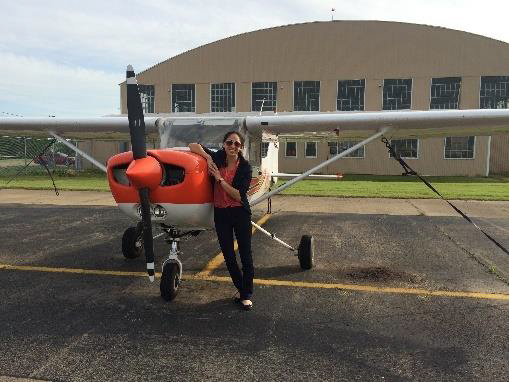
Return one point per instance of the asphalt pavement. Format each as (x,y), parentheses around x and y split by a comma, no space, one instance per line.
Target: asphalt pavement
(392,297)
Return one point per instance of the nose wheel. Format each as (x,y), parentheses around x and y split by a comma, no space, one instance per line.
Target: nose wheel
(170,281)
(171,276)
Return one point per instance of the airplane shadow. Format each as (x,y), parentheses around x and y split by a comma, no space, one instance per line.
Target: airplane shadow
(283,270)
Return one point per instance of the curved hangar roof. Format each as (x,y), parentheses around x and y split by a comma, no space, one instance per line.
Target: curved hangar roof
(336,50)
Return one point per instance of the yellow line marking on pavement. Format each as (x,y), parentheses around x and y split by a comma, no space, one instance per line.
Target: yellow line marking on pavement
(72,270)
(217,260)
(270,282)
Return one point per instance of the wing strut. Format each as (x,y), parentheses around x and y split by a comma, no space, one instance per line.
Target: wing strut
(272,236)
(321,165)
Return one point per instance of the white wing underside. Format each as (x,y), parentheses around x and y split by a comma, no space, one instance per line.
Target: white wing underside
(356,124)
(404,124)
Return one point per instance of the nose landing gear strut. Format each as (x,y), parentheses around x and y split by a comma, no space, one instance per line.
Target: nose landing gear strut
(171,276)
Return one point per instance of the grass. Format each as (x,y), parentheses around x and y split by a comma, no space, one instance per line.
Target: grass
(363,186)
(368,186)
(68,180)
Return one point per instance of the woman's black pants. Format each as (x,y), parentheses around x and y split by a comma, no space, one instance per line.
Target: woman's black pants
(227,221)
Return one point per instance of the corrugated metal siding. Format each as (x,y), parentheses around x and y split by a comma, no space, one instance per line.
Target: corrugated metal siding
(499,160)
(330,51)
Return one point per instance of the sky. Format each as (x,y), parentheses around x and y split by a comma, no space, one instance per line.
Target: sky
(66,57)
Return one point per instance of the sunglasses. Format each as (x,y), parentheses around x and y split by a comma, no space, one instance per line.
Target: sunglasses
(236,143)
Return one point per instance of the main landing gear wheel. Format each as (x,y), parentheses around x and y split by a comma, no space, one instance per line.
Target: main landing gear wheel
(132,243)
(170,281)
(306,252)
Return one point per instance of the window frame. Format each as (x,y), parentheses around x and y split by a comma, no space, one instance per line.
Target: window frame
(234,106)
(319,96)
(411,92)
(148,97)
(275,98)
(408,139)
(306,149)
(459,92)
(262,143)
(171,98)
(473,148)
(349,155)
(363,94)
(296,150)
(480,89)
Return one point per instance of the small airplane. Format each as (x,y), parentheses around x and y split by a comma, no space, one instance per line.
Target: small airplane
(171,188)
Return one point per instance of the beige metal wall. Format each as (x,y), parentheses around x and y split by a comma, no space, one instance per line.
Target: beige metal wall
(331,51)
(340,50)
(499,159)
(103,150)
(99,150)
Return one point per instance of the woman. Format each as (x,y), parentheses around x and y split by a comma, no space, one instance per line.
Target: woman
(232,213)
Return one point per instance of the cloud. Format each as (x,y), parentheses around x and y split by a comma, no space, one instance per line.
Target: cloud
(73,40)
(55,89)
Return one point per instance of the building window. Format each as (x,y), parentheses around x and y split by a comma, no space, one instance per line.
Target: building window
(264,149)
(310,149)
(406,148)
(263,93)
(338,147)
(333,148)
(182,98)
(222,97)
(345,145)
(397,94)
(291,149)
(494,92)
(350,95)
(459,147)
(306,96)
(147,97)
(445,93)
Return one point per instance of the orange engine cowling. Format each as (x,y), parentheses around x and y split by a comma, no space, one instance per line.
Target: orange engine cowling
(185,178)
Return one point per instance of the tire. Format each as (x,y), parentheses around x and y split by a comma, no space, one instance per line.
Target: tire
(132,244)
(170,281)
(306,252)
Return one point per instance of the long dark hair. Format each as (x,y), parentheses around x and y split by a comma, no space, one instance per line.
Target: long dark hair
(242,140)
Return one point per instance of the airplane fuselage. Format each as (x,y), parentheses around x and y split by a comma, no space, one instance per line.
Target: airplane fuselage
(184,197)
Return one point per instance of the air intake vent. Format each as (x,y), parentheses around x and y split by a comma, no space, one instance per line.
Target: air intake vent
(172,175)
(119,174)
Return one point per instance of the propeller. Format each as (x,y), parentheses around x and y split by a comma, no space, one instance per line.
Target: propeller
(144,172)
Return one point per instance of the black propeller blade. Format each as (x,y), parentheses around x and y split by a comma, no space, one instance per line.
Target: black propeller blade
(137,133)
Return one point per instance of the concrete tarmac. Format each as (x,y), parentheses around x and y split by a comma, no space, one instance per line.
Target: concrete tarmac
(410,294)
(429,207)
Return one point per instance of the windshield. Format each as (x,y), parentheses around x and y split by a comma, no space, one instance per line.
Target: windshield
(209,133)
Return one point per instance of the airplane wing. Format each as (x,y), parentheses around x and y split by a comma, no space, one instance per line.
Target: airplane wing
(105,128)
(409,124)
(402,124)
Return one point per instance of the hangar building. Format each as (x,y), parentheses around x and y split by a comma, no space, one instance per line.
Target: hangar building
(345,66)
